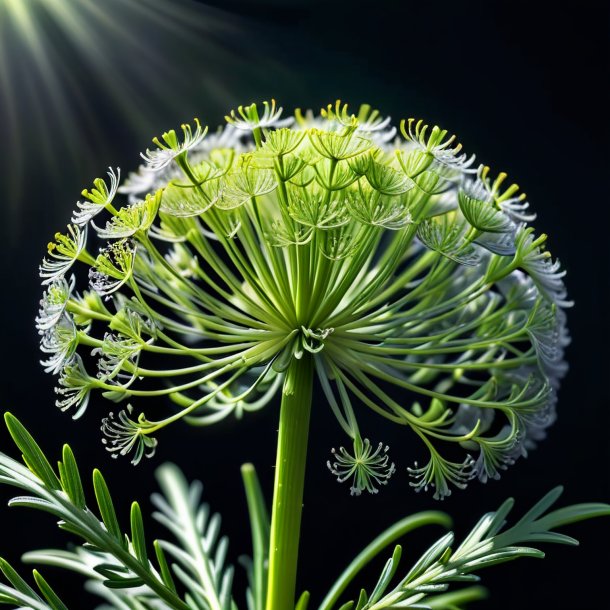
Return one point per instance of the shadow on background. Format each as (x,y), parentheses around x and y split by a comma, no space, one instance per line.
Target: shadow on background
(85,88)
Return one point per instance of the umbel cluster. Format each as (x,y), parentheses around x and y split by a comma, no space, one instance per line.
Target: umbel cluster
(407,274)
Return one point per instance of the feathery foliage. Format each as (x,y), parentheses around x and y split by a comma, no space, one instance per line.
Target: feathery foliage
(427,582)
(126,564)
(191,573)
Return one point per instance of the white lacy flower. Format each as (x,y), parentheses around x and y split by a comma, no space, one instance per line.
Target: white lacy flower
(439,473)
(249,118)
(140,182)
(74,387)
(433,142)
(170,147)
(115,351)
(130,219)
(548,332)
(60,341)
(63,253)
(368,121)
(53,303)
(546,273)
(99,198)
(122,436)
(402,275)
(113,267)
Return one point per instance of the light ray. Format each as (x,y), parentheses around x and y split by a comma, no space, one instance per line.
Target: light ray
(75,73)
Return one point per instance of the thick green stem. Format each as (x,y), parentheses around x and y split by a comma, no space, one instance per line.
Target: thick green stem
(289,482)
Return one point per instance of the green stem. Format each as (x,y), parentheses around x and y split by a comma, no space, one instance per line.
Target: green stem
(289,483)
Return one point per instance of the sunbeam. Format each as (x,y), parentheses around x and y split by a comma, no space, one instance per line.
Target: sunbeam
(75,73)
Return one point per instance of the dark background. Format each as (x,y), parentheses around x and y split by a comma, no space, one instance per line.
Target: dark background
(522,85)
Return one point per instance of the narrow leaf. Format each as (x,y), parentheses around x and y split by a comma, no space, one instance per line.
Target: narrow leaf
(111,570)
(553,537)
(106,506)
(259,526)
(303,601)
(124,583)
(430,556)
(138,538)
(32,454)
(48,593)
(362,600)
(500,515)
(16,580)
(507,554)
(70,478)
(166,575)
(34,502)
(386,575)
(573,514)
(540,507)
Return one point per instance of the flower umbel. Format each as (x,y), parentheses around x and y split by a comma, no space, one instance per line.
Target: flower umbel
(53,303)
(368,467)
(170,147)
(405,274)
(63,253)
(98,198)
(123,436)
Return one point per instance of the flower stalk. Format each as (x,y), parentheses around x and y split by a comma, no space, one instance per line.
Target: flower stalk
(289,482)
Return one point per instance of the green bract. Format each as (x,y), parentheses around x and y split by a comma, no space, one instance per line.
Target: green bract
(407,275)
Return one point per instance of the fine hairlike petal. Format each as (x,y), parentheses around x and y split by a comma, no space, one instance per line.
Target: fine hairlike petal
(169,147)
(99,198)
(74,387)
(63,253)
(60,342)
(123,436)
(434,141)
(53,303)
(367,468)
(546,273)
(247,118)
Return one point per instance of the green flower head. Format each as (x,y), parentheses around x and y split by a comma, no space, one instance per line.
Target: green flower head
(406,274)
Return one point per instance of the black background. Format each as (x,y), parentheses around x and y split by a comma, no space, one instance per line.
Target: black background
(523,86)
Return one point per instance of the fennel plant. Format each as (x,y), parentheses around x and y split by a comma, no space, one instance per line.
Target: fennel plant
(379,264)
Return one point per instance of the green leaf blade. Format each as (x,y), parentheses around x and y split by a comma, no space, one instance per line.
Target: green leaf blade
(138,538)
(32,454)
(48,593)
(70,478)
(106,506)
